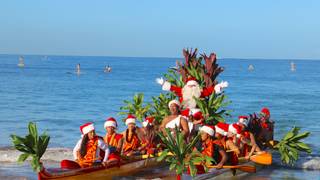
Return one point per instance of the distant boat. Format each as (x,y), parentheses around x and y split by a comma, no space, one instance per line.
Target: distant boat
(250,67)
(21,62)
(293,66)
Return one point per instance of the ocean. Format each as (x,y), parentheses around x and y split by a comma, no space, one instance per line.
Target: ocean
(49,92)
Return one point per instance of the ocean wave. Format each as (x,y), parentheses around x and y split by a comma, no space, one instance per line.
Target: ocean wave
(51,155)
(307,162)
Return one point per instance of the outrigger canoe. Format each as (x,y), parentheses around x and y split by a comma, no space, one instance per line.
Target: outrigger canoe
(126,168)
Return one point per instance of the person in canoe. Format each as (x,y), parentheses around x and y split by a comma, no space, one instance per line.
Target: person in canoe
(175,119)
(247,142)
(131,142)
(195,119)
(209,147)
(113,139)
(148,136)
(267,126)
(223,140)
(87,151)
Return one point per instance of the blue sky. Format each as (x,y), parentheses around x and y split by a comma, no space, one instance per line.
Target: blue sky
(150,28)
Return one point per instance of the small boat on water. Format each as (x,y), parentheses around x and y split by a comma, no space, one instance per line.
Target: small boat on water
(21,61)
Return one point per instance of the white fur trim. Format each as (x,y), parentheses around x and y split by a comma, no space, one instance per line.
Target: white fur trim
(145,123)
(192,83)
(232,129)
(221,131)
(174,102)
(87,129)
(110,123)
(244,121)
(166,86)
(130,120)
(208,130)
(194,111)
(238,135)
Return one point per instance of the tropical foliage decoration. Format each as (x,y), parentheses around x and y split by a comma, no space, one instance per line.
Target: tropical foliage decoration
(32,145)
(290,146)
(137,107)
(181,155)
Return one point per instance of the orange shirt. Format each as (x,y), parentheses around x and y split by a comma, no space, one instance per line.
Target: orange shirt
(90,156)
(131,142)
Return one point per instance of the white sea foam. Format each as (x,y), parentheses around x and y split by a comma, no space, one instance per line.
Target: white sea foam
(51,154)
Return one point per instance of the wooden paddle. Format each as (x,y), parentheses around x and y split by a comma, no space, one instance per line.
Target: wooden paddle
(264,158)
(244,168)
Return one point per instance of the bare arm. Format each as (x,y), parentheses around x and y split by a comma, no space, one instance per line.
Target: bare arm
(184,127)
(224,158)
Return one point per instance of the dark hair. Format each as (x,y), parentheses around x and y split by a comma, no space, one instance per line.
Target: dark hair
(83,147)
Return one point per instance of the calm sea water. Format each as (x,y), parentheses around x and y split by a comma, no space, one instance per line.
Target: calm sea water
(48,92)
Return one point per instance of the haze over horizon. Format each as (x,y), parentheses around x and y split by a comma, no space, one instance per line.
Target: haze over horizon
(246,30)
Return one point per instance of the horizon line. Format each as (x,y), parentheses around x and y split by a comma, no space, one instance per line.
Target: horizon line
(178,58)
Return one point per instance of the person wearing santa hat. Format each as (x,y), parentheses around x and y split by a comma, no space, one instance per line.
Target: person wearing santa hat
(248,143)
(211,149)
(113,139)
(267,126)
(175,119)
(87,151)
(194,117)
(191,90)
(147,136)
(131,142)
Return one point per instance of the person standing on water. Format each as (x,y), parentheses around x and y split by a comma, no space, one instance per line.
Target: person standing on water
(78,71)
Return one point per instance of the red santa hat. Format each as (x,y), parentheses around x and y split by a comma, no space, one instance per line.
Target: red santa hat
(265,111)
(174,102)
(191,81)
(86,128)
(195,112)
(235,129)
(222,128)
(130,119)
(147,121)
(207,129)
(243,120)
(110,122)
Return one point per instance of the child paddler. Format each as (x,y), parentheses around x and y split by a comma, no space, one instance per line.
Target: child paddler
(210,148)
(113,139)
(222,139)
(131,142)
(147,136)
(247,142)
(267,125)
(87,151)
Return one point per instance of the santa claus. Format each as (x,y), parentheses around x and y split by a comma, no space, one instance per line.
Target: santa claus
(191,90)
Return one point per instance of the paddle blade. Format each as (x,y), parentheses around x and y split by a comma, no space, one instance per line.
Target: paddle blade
(264,159)
(249,169)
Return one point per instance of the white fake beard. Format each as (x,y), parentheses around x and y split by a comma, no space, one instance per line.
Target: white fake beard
(188,94)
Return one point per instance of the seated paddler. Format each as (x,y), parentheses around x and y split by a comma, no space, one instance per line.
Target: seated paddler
(210,148)
(131,141)
(113,139)
(148,136)
(87,151)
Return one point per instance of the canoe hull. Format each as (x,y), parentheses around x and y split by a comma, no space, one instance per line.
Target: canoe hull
(99,172)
